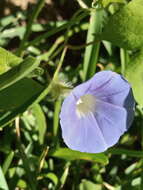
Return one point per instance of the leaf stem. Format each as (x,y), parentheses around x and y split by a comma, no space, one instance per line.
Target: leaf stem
(60,63)
(57,108)
(48,89)
(124,60)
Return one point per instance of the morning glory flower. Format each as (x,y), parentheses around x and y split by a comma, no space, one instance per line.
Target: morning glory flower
(97,112)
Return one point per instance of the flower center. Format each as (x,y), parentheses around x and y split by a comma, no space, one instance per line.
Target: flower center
(85,104)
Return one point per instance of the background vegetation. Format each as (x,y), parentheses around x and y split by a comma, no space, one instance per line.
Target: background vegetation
(47,47)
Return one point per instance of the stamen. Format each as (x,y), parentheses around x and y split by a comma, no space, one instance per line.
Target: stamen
(85,105)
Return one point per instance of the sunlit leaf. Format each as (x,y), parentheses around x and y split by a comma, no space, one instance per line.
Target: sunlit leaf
(7,60)
(123,28)
(68,154)
(7,162)
(3,183)
(18,72)
(40,121)
(88,185)
(107,2)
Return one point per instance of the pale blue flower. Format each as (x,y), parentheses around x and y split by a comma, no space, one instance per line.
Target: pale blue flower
(97,113)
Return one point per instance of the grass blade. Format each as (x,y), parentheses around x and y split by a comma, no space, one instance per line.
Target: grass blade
(92,51)
(3,183)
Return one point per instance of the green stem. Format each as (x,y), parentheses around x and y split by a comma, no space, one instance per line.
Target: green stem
(72,21)
(52,52)
(60,63)
(45,56)
(92,51)
(124,60)
(56,30)
(82,4)
(48,89)
(56,121)
(56,117)
(33,17)
(44,93)
(79,47)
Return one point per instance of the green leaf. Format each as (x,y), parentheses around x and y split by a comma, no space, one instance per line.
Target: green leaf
(3,183)
(18,72)
(17,98)
(92,51)
(70,155)
(40,121)
(88,185)
(6,20)
(22,184)
(52,177)
(7,60)
(7,162)
(65,174)
(13,32)
(19,31)
(131,153)
(107,2)
(134,74)
(124,28)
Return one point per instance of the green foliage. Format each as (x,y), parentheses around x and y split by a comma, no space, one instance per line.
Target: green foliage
(134,74)
(68,154)
(107,2)
(7,60)
(124,28)
(7,162)
(88,185)
(18,72)
(3,183)
(92,52)
(17,98)
(56,48)
(40,121)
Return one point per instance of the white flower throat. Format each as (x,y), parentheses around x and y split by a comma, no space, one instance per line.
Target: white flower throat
(85,105)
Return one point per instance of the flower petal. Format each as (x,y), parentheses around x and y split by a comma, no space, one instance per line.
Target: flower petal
(97,129)
(129,105)
(111,120)
(99,80)
(114,88)
(106,85)
(82,134)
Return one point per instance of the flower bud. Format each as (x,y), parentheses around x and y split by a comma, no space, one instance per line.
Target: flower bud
(60,88)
